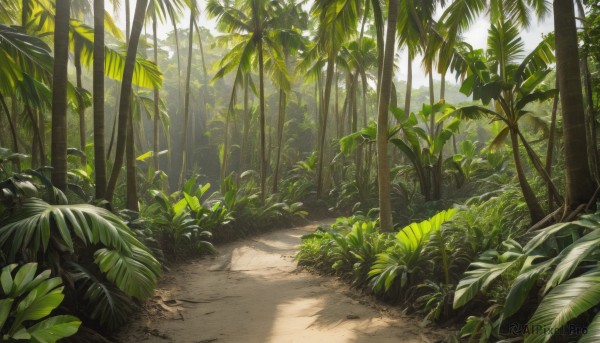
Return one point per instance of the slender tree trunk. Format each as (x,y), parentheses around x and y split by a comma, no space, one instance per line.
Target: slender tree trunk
(246,129)
(364,98)
(535,210)
(337,100)
(280,143)
(125,98)
(131,199)
(156,120)
(590,115)
(113,131)
(59,94)
(550,150)
(127,20)
(580,186)
(325,108)
(41,135)
(186,109)
(13,130)
(539,167)
(80,104)
(408,94)
(262,156)
(383,169)
(35,142)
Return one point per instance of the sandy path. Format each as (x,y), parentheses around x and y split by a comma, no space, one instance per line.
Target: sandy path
(253,292)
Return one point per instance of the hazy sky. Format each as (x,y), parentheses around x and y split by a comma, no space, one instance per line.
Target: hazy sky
(476,36)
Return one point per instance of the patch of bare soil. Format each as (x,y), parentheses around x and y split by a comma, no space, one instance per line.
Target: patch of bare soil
(253,292)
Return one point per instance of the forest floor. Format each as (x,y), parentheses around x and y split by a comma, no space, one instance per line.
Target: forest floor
(252,291)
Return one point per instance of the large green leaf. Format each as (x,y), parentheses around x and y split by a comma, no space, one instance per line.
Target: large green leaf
(416,234)
(22,53)
(564,303)
(593,331)
(136,275)
(54,328)
(483,274)
(519,290)
(5,306)
(572,256)
(145,74)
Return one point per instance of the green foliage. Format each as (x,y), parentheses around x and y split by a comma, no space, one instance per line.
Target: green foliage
(404,258)
(349,247)
(27,300)
(174,223)
(93,250)
(435,302)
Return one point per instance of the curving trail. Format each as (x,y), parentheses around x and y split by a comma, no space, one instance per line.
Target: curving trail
(253,292)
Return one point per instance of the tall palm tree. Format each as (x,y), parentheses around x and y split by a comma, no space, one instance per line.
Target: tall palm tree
(383,169)
(250,27)
(186,106)
(338,20)
(579,183)
(124,107)
(98,100)
(496,75)
(291,21)
(59,94)
(163,11)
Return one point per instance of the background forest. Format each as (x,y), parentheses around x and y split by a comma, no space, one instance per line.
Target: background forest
(469,201)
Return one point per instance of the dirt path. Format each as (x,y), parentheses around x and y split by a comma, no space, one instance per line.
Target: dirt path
(253,292)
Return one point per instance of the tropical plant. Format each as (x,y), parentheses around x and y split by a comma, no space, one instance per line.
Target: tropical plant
(252,33)
(71,239)
(403,260)
(496,76)
(175,224)
(28,299)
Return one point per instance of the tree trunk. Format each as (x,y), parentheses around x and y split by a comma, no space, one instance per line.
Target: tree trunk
(540,168)
(280,143)
(80,104)
(550,150)
(246,129)
(125,98)
(59,94)
(580,186)
(98,98)
(590,115)
(36,141)
(156,121)
(11,125)
(186,108)
(535,210)
(262,156)
(131,199)
(325,108)
(383,169)
(408,94)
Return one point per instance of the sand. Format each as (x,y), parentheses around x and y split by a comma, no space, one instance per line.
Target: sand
(252,291)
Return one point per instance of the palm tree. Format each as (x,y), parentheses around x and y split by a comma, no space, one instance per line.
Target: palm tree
(337,21)
(59,94)
(163,10)
(250,27)
(512,86)
(124,107)
(98,90)
(579,183)
(186,106)
(383,169)
(292,20)
(460,14)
